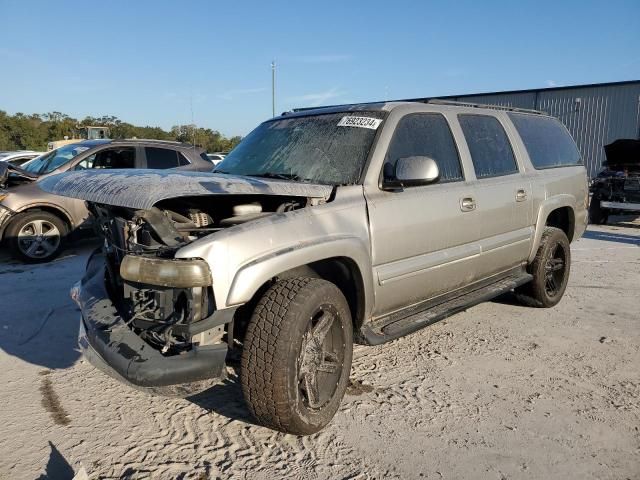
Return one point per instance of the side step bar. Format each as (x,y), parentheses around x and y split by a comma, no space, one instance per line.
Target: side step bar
(415,318)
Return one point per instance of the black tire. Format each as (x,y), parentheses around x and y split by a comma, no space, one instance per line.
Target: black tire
(32,246)
(597,214)
(291,382)
(550,269)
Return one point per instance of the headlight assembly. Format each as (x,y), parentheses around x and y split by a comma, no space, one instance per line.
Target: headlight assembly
(166,272)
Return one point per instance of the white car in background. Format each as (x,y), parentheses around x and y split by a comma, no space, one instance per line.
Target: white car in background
(216,157)
(20,157)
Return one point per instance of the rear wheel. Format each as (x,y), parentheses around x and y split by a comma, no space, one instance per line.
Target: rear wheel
(36,237)
(550,270)
(297,355)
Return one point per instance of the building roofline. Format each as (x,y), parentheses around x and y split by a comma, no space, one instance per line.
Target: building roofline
(545,89)
(379,105)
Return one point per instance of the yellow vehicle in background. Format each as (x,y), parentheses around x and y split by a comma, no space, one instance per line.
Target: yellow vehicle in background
(81,133)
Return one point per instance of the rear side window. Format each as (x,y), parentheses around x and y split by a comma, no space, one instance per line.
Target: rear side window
(161,158)
(489,146)
(547,141)
(428,135)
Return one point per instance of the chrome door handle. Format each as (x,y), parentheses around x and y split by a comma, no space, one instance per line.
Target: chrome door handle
(521,195)
(467,204)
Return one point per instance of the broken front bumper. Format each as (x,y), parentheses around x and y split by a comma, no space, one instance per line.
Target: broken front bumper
(108,342)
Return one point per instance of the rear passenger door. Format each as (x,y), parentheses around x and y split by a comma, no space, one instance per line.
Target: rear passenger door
(502,195)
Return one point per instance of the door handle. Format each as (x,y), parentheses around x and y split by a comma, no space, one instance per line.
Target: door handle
(521,195)
(467,204)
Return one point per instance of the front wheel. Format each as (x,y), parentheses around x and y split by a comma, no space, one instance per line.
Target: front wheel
(297,355)
(36,236)
(550,269)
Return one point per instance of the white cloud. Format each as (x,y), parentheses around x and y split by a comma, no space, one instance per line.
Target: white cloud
(231,94)
(551,83)
(318,98)
(323,58)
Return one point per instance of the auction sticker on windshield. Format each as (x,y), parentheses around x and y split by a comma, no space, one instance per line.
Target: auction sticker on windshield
(360,122)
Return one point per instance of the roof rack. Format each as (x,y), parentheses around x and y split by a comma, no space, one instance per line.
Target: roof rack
(438,101)
(151,140)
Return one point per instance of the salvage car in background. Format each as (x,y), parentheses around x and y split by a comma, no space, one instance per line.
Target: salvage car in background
(616,189)
(19,157)
(34,224)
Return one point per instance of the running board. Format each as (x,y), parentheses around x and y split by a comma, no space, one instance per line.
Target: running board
(415,318)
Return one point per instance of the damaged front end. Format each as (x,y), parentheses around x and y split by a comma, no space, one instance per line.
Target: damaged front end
(151,316)
(148,315)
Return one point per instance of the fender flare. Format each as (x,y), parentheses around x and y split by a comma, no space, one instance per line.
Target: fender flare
(546,207)
(251,276)
(35,206)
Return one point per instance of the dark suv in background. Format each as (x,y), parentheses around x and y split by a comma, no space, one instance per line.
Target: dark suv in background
(34,224)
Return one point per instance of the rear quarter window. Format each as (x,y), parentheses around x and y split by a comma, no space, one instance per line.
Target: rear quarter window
(547,141)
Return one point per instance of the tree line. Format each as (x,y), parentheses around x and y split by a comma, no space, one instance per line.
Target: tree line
(33,132)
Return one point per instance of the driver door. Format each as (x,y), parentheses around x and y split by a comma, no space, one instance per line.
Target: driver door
(424,239)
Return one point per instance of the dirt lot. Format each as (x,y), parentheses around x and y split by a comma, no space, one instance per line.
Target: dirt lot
(499,391)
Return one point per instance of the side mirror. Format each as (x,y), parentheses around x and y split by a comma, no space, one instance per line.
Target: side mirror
(413,172)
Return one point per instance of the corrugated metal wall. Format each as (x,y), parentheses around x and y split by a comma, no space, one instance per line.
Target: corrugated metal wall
(601,115)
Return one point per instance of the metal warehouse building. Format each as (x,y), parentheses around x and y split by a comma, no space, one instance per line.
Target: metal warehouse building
(596,114)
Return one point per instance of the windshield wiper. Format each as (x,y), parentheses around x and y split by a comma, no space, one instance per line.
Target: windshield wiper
(279,176)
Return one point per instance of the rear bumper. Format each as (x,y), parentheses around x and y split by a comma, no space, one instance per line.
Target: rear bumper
(632,207)
(107,340)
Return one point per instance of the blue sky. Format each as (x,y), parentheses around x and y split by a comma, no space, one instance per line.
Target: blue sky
(148,62)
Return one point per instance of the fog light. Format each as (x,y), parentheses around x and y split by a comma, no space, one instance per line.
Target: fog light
(166,272)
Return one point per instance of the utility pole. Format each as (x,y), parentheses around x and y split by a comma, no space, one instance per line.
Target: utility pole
(273,88)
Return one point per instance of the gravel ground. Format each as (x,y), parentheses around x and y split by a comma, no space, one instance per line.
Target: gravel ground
(499,391)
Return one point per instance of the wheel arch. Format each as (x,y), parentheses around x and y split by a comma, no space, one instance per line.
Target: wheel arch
(344,262)
(559,212)
(56,210)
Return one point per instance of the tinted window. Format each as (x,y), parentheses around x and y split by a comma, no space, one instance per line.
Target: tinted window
(161,158)
(182,160)
(546,140)
(425,135)
(110,158)
(489,146)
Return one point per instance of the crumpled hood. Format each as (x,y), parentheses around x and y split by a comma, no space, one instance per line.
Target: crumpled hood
(142,189)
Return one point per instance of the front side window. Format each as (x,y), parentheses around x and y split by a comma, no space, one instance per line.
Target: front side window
(424,135)
(109,158)
(328,149)
(547,142)
(161,158)
(489,146)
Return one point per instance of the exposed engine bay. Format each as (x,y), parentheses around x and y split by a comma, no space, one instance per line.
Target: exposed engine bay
(170,313)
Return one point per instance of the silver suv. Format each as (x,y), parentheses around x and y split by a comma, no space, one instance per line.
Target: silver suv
(358,223)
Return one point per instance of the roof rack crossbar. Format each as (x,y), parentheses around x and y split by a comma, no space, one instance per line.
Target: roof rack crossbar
(438,101)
